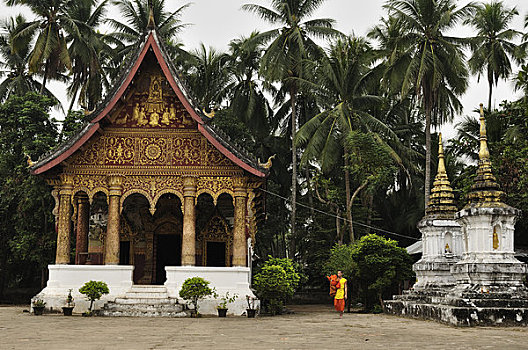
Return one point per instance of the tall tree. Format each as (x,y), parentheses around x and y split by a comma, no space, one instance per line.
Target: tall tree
(341,83)
(436,68)
(137,14)
(492,48)
(15,51)
(50,52)
(208,76)
(245,93)
(87,53)
(288,46)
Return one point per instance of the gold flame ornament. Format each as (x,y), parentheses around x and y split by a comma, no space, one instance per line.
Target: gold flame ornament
(268,164)
(209,115)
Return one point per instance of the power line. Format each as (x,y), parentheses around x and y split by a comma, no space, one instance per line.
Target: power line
(342,218)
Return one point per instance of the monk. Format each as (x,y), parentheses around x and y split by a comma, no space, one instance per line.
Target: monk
(341,294)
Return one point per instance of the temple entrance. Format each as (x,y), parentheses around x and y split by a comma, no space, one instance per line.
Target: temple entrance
(216,254)
(168,253)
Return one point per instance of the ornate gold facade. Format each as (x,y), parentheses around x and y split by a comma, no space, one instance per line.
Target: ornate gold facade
(151,161)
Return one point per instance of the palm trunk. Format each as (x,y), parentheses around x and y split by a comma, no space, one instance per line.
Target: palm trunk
(348,194)
(293,96)
(428,110)
(74,97)
(45,78)
(338,226)
(310,193)
(490,83)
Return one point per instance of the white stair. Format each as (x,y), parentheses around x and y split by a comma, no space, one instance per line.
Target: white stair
(144,301)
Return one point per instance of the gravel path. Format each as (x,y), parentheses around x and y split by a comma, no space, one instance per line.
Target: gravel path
(311,327)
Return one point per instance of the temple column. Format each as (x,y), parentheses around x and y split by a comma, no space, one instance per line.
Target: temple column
(189,222)
(64,220)
(115,189)
(83,226)
(239,231)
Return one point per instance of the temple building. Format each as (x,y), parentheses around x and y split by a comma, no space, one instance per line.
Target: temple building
(149,192)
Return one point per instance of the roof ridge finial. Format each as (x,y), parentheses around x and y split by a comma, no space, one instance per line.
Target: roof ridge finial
(442,200)
(151,23)
(485,190)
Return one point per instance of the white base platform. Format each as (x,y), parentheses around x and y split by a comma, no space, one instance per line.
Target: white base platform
(234,280)
(62,278)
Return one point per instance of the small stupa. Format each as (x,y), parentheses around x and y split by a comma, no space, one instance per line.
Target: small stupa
(441,234)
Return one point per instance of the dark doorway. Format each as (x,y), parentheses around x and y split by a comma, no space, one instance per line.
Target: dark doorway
(216,255)
(168,253)
(124,253)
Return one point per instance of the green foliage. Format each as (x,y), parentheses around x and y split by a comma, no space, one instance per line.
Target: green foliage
(370,159)
(272,285)
(380,266)
(226,299)
(341,259)
(27,243)
(293,274)
(94,290)
(195,289)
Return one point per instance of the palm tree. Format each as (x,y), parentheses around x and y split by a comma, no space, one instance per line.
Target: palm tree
(288,46)
(50,53)
(87,52)
(435,61)
(208,76)
(136,14)
(15,51)
(492,48)
(342,84)
(246,95)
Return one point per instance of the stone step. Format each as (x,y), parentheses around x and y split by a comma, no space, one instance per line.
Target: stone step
(132,313)
(147,300)
(148,289)
(139,295)
(144,307)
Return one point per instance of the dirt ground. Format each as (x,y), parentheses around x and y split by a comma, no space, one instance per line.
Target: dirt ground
(311,327)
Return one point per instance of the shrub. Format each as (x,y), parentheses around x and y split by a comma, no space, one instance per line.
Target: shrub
(273,286)
(380,266)
(195,289)
(293,275)
(94,290)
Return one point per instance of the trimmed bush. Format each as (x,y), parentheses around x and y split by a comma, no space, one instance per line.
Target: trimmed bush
(195,289)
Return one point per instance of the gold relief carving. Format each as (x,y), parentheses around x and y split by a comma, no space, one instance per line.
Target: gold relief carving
(239,182)
(161,149)
(115,185)
(155,97)
(119,150)
(153,151)
(215,186)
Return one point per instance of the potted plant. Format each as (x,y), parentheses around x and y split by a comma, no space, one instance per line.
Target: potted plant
(193,290)
(251,311)
(93,290)
(38,307)
(225,300)
(68,309)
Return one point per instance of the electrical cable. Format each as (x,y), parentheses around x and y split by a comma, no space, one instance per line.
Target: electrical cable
(342,218)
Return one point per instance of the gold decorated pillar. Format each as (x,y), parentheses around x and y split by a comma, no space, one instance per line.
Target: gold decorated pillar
(239,231)
(115,189)
(83,225)
(189,222)
(64,220)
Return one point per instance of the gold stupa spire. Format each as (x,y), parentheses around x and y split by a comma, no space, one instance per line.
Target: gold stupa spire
(485,191)
(442,201)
